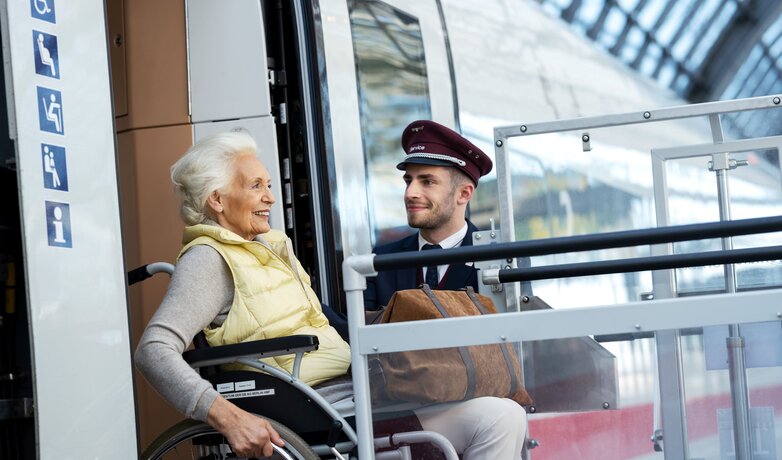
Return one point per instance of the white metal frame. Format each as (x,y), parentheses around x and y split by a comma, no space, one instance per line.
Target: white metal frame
(670,373)
(662,314)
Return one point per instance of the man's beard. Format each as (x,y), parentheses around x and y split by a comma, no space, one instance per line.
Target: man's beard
(436,217)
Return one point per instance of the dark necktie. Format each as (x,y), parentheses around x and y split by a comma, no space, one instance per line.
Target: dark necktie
(431,277)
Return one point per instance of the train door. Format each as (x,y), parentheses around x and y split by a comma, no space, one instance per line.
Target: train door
(387,63)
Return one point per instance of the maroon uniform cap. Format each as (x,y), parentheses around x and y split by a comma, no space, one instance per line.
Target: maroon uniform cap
(429,143)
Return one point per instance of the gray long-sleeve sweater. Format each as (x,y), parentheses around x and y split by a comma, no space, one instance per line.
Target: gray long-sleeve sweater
(200,293)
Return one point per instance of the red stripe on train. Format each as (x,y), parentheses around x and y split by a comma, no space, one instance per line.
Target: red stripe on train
(625,433)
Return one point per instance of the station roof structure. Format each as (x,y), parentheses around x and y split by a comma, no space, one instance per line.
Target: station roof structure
(703,50)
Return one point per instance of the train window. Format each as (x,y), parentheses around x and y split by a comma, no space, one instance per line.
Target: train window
(393,90)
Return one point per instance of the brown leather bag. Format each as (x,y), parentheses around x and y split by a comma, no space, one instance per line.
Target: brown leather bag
(451,374)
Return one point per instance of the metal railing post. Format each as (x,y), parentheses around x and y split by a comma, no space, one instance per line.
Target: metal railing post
(354,272)
(737,369)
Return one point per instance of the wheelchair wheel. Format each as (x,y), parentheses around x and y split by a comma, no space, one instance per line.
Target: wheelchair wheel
(192,439)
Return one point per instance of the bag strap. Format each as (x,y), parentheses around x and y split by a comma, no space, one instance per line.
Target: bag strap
(475,300)
(465,354)
(514,383)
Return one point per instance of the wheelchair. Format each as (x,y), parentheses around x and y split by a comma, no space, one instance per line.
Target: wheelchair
(311,427)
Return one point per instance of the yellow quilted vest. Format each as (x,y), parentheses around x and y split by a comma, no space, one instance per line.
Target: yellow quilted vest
(272,298)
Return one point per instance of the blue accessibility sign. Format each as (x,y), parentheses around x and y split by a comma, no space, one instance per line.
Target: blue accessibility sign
(50,110)
(43,10)
(58,224)
(55,168)
(47,62)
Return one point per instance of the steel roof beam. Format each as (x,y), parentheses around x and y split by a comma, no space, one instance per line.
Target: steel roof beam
(731,49)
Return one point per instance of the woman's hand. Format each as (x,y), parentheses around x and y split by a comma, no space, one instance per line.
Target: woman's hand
(248,435)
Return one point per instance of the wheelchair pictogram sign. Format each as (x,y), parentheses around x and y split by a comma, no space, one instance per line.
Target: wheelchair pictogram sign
(50,110)
(47,62)
(43,10)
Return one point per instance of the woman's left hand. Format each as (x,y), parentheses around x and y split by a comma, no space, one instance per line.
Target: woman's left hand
(248,435)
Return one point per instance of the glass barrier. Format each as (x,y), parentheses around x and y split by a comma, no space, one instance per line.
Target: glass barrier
(625,432)
(599,399)
(562,185)
(630,378)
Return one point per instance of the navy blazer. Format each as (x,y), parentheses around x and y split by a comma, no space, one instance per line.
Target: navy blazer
(381,287)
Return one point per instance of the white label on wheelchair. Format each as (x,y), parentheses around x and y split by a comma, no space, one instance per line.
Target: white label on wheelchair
(236,386)
(224,387)
(246,385)
(249,394)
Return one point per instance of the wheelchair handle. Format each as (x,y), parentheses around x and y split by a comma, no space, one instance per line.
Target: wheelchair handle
(145,271)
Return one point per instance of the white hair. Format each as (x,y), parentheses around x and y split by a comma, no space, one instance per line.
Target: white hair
(207,167)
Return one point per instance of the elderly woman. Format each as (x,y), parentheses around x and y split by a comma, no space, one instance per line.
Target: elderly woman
(238,280)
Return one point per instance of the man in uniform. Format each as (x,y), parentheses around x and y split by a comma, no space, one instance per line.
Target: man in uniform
(442,169)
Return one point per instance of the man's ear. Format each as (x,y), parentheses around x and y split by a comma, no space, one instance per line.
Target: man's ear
(214,201)
(464,192)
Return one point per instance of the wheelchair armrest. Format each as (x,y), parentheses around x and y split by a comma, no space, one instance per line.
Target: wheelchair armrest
(224,354)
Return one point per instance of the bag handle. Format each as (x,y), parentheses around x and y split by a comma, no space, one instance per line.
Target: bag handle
(514,383)
(465,354)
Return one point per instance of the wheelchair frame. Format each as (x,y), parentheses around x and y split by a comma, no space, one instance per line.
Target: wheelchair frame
(213,445)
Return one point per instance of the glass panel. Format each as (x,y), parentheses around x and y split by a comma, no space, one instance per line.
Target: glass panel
(561,190)
(608,384)
(707,386)
(620,431)
(561,186)
(393,91)
(623,431)
(755,192)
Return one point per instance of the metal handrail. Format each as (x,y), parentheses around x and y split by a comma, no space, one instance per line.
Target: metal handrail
(579,243)
(646,116)
(638,264)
